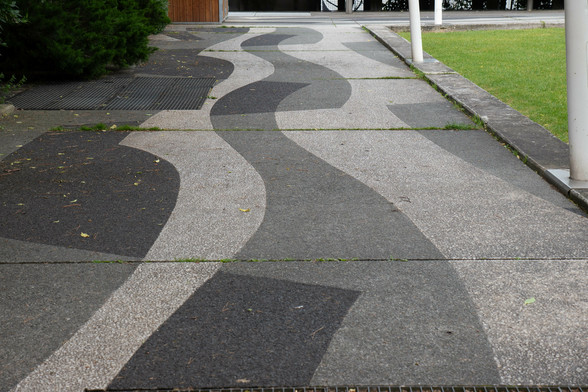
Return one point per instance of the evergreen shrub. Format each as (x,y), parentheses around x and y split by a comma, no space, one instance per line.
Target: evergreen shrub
(80,38)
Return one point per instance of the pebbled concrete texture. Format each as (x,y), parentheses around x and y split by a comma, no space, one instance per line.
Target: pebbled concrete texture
(539,148)
(99,348)
(209,221)
(540,342)
(413,321)
(452,263)
(43,305)
(465,211)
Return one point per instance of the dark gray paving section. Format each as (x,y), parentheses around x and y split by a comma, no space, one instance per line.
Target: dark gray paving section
(85,190)
(241,330)
(427,114)
(43,305)
(413,323)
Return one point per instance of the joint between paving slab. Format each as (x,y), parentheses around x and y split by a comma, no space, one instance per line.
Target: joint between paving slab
(542,153)
(287,260)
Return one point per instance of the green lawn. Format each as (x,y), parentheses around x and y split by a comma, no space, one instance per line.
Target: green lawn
(523,68)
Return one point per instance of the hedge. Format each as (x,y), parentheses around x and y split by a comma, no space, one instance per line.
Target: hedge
(80,38)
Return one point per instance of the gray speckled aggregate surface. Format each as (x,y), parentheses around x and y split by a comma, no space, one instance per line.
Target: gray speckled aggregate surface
(401,251)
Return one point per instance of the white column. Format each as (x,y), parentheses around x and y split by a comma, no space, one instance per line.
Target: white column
(529,5)
(438,12)
(576,13)
(348,6)
(415,31)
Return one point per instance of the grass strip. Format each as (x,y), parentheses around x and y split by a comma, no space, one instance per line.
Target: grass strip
(524,68)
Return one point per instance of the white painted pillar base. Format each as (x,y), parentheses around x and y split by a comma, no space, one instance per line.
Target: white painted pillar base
(349,6)
(438,12)
(415,31)
(576,13)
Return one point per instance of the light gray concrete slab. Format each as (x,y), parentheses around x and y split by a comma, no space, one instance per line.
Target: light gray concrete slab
(221,201)
(350,51)
(367,108)
(465,211)
(535,314)
(99,349)
(482,151)
(352,64)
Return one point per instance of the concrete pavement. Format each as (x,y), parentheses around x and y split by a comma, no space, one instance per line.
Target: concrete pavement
(324,218)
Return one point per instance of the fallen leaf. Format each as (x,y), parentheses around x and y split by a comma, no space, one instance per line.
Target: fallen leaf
(244,209)
(113,126)
(529,301)
(85,235)
(156,161)
(243,380)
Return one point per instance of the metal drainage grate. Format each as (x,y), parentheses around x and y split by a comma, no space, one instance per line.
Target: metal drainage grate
(372,389)
(140,93)
(162,94)
(70,95)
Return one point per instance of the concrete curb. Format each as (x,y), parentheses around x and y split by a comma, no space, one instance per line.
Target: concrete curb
(446,27)
(534,144)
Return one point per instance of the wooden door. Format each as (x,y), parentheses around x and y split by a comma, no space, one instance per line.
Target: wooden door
(194,10)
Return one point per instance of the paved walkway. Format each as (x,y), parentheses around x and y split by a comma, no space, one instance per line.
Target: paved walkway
(353,227)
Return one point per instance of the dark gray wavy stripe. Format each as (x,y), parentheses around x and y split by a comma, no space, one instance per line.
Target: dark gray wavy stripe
(315,210)
(295,85)
(61,185)
(240,331)
(375,51)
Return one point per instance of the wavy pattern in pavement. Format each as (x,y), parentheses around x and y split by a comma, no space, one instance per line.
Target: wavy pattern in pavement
(346,218)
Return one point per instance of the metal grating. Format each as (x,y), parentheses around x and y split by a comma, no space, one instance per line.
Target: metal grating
(87,95)
(140,93)
(147,93)
(495,388)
